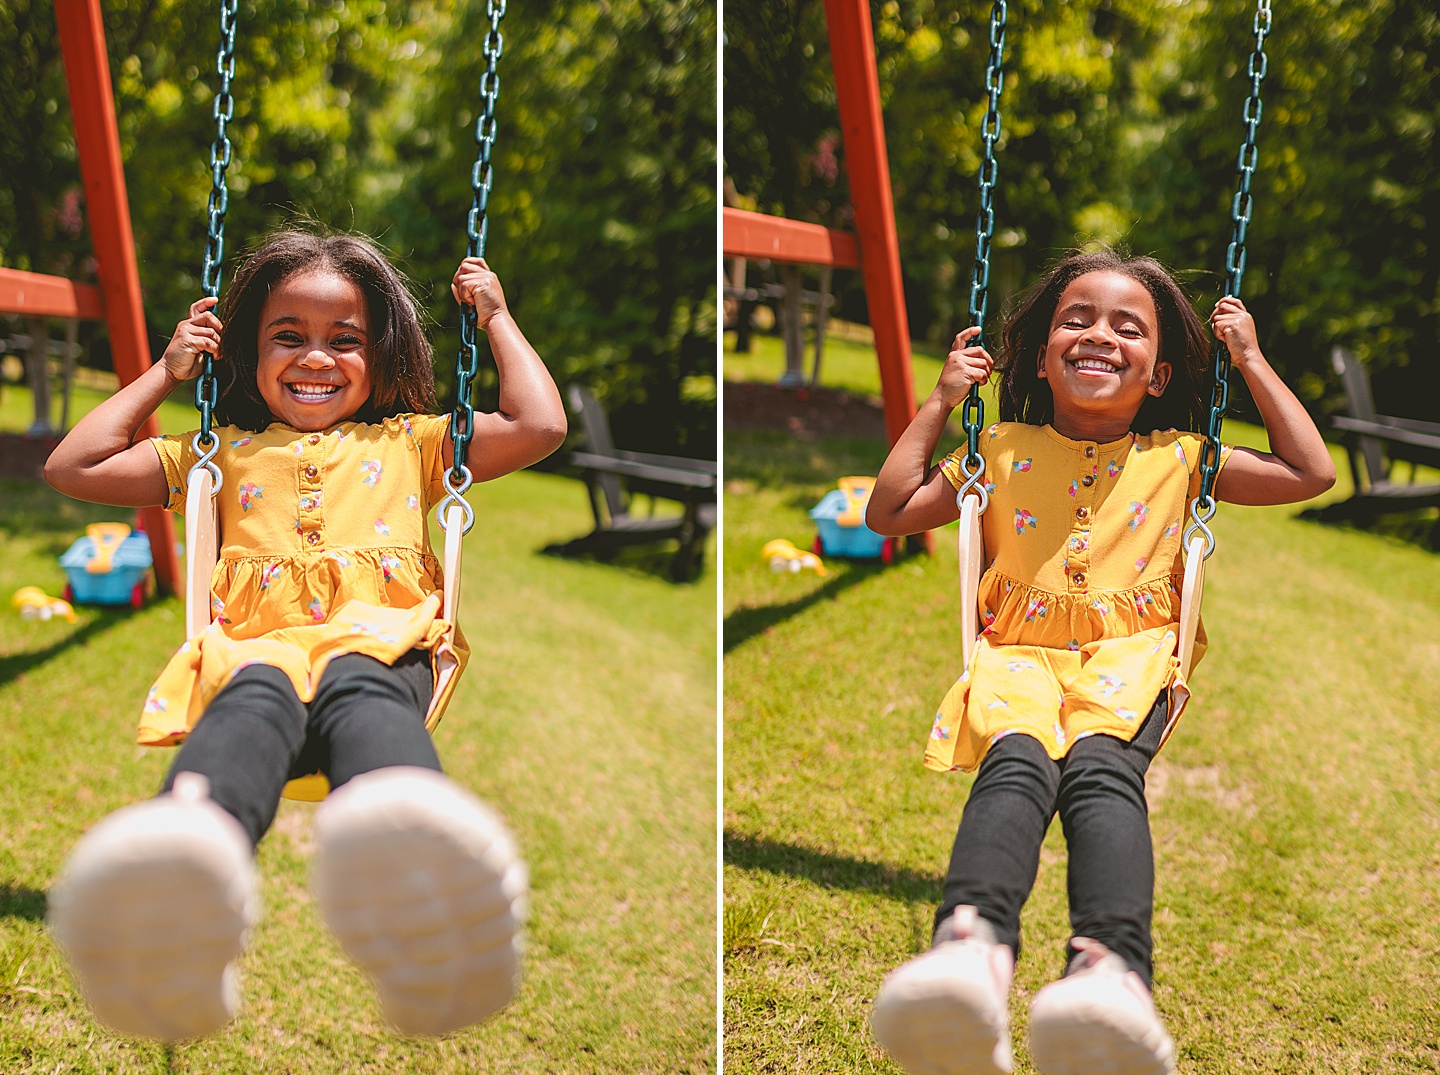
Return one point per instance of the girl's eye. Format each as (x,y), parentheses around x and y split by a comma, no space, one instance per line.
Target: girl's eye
(347,341)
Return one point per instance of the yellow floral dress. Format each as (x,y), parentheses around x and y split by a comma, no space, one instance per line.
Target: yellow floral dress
(1080,599)
(324,551)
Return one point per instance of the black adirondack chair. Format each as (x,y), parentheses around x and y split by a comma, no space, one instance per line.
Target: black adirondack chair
(1374,443)
(614,477)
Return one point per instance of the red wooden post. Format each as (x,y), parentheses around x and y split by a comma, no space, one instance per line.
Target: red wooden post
(857,84)
(87,71)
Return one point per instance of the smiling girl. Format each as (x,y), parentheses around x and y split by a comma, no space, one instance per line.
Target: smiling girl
(1074,683)
(329,650)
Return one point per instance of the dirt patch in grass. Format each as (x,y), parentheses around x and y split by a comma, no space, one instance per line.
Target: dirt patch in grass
(807,413)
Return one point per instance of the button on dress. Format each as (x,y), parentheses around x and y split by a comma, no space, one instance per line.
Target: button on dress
(1080,599)
(324,551)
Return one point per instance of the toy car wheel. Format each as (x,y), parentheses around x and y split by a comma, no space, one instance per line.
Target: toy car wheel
(887,551)
(68,593)
(817,546)
(137,595)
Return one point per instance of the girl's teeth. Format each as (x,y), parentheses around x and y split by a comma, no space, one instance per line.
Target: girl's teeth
(314,391)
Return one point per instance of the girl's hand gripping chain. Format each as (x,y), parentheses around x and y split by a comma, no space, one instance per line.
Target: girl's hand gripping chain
(197,335)
(530,422)
(910,496)
(964,366)
(1298,465)
(1235,328)
(476,285)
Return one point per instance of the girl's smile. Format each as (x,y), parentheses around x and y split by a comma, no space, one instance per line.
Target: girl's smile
(1100,356)
(313,368)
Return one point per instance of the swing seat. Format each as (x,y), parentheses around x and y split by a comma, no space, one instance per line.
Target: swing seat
(202,552)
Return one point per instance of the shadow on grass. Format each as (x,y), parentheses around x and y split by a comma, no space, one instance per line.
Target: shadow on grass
(828,870)
(21,902)
(649,561)
(1419,528)
(744,624)
(15,665)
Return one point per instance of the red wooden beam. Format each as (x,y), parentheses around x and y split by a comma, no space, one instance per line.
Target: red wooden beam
(92,104)
(36,295)
(755,235)
(857,85)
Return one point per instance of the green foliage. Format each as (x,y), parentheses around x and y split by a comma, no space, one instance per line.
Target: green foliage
(1121,121)
(360,114)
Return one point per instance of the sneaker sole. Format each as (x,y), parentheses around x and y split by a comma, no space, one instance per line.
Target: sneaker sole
(1084,1036)
(154,905)
(935,1019)
(421,884)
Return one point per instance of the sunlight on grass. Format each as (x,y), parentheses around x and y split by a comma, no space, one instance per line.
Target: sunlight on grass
(1295,810)
(587,718)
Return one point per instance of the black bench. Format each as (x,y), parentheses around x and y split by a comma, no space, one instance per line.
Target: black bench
(613,476)
(1374,443)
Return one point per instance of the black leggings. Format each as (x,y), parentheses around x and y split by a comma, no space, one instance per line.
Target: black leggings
(1098,789)
(257,734)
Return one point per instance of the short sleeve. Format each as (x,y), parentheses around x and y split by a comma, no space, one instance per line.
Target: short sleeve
(431,431)
(950,465)
(177,456)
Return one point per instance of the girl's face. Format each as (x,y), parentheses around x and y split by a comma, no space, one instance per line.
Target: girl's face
(314,367)
(1101,355)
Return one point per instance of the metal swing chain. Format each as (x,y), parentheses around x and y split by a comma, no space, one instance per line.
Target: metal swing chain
(972,463)
(207,388)
(1203,506)
(477,226)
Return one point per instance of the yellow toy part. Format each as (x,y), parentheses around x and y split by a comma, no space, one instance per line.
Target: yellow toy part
(35,604)
(857,492)
(783,556)
(107,538)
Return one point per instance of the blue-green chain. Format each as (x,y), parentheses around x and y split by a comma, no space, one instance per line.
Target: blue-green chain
(973,412)
(207,388)
(467,364)
(1203,506)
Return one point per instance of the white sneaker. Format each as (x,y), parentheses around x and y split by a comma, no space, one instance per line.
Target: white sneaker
(421,883)
(152,907)
(1099,1017)
(946,1012)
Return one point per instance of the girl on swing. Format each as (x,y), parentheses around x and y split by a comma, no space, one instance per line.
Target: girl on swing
(1074,683)
(328,651)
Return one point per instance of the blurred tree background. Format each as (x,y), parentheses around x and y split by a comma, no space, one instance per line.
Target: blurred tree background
(1122,120)
(360,114)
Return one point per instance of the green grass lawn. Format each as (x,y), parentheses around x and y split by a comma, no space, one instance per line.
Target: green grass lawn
(1296,810)
(587,718)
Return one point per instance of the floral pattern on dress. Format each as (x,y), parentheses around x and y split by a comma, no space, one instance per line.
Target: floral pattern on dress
(249,493)
(311,501)
(1137,511)
(1020,466)
(316,610)
(1113,468)
(389,565)
(412,502)
(382,528)
(1023,519)
(154,703)
(371,469)
(268,572)
(1109,685)
(241,442)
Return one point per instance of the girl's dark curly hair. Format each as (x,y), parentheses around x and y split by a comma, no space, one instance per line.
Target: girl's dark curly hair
(1184,343)
(402,376)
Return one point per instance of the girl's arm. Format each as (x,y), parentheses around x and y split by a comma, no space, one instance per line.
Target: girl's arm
(99,459)
(530,423)
(1298,466)
(911,496)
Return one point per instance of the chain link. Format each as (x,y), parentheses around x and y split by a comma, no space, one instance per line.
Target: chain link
(973,414)
(1240,209)
(207,388)
(477,226)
